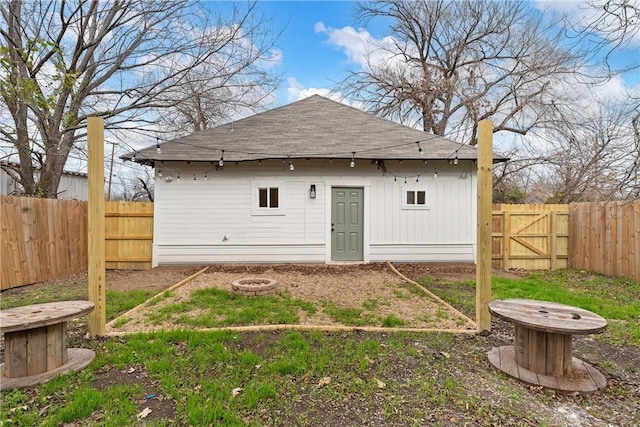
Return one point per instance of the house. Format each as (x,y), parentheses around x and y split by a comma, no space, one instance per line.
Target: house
(73,185)
(314,181)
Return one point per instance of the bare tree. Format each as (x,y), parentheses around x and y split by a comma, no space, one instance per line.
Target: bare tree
(241,80)
(589,153)
(450,64)
(62,61)
(134,187)
(608,26)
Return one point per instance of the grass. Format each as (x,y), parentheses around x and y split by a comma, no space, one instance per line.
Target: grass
(218,307)
(615,299)
(118,302)
(315,378)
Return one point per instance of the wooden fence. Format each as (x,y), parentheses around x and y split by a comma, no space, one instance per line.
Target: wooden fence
(605,238)
(41,239)
(128,235)
(530,237)
(46,239)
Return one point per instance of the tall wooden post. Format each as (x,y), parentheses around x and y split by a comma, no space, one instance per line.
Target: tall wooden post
(96,208)
(483,268)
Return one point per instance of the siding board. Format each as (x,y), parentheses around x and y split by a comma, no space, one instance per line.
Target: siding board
(193,218)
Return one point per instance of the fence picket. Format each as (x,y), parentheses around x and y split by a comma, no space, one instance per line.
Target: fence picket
(44,239)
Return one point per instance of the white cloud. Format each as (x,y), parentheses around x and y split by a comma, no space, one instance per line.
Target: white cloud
(354,43)
(581,15)
(296,91)
(363,49)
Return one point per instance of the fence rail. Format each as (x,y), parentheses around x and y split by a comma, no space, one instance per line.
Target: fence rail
(530,237)
(605,238)
(128,235)
(46,239)
(41,239)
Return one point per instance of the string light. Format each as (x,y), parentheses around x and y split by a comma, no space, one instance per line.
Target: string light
(133,158)
(158,149)
(162,170)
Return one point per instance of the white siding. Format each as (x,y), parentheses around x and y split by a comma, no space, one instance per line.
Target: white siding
(70,187)
(211,221)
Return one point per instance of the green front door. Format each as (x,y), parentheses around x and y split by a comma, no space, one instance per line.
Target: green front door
(347,213)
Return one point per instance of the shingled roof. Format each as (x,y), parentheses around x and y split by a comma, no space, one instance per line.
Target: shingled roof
(315,127)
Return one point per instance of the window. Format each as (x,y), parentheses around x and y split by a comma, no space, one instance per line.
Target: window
(268,197)
(414,198)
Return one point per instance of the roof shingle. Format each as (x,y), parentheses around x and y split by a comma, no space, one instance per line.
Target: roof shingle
(315,127)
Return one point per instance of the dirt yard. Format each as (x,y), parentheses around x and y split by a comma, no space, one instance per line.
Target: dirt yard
(155,279)
(161,278)
(616,405)
(343,285)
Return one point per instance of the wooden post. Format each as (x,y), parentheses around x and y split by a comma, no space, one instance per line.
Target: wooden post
(96,235)
(483,268)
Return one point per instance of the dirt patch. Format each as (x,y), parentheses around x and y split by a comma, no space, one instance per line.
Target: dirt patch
(345,286)
(150,402)
(158,278)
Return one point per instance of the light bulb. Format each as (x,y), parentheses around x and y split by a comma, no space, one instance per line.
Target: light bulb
(291,166)
(158,149)
(160,173)
(221,163)
(455,161)
(352,164)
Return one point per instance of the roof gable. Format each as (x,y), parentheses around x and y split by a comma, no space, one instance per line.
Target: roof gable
(315,127)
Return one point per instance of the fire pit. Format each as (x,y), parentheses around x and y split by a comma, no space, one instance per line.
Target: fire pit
(254,286)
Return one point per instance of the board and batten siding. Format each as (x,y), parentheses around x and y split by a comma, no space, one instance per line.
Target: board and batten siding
(214,221)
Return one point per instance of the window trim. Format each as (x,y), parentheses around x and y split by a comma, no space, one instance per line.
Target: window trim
(415,189)
(256,210)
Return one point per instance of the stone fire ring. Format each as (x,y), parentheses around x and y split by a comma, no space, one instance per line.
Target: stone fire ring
(254,286)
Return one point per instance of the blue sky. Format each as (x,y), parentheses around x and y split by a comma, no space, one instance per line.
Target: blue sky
(321,39)
(311,63)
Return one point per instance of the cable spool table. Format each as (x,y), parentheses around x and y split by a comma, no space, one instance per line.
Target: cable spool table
(542,354)
(35,343)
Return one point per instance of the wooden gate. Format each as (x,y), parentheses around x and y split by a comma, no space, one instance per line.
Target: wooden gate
(128,235)
(530,237)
